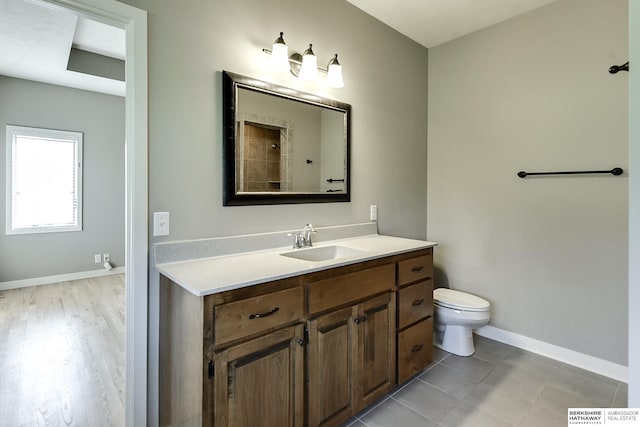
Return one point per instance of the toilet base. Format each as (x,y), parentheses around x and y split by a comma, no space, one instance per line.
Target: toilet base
(457,340)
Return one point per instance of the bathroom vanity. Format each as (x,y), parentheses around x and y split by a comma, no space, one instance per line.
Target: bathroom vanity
(265,339)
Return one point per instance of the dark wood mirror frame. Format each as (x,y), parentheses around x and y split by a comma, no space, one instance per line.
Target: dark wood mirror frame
(231,82)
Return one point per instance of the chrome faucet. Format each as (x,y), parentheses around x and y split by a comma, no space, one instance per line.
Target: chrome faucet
(302,238)
(306,234)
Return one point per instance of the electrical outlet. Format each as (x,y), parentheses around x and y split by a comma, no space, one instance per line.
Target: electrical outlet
(106,258)
(97,259)
(373,214)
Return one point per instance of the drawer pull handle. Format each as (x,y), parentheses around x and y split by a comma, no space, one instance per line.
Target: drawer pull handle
(418,268)
(265,314)
(360,319)
(416,348)
(417,302)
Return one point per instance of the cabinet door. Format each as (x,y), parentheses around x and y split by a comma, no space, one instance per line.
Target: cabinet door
(260,382)
(329,368)
(375,362)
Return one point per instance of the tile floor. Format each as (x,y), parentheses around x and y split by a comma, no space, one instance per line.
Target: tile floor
(499,386)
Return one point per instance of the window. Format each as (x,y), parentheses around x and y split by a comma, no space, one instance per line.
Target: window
(44,180)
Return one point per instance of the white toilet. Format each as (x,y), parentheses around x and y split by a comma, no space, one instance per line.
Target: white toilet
(457,314)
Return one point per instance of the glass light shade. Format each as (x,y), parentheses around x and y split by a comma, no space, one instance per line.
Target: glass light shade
(279,55)
(309,68)
(334,75)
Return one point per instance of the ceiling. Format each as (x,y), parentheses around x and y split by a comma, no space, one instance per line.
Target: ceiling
(36,40)
(433,22)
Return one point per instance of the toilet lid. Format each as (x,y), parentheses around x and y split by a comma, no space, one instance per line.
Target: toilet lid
(459,300)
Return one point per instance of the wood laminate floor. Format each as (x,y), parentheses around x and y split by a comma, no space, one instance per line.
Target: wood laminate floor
(62,354)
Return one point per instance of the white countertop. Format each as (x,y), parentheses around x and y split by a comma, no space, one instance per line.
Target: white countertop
(207,276)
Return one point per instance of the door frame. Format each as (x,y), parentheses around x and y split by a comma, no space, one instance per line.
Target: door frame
(134,22)
(634,207)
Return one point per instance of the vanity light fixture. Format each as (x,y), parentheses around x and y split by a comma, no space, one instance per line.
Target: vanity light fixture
(279,55)
(303,66)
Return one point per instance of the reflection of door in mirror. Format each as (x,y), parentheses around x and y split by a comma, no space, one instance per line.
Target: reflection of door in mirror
(264,154)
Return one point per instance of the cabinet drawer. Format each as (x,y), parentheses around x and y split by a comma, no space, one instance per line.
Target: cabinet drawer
(414,269)
(415,302)
(347,288)
(249,316)
(415,349)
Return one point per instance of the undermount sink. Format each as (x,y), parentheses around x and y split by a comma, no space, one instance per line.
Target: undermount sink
(323,253)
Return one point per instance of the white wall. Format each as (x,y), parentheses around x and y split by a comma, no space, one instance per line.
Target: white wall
(533,93)
(191,42)
(101,119)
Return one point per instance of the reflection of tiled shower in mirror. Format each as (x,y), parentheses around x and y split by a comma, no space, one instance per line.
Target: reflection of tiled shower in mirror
(264,154)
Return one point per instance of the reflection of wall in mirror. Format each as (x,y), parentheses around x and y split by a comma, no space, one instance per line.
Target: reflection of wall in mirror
(333,152)
(306,120)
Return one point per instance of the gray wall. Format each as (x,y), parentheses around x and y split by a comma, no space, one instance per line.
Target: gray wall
(191,42)
(533,93)
(101,119)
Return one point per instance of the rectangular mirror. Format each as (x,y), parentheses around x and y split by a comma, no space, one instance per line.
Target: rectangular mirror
(281,145)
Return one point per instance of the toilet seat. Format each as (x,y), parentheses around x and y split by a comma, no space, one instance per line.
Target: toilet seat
(456,300)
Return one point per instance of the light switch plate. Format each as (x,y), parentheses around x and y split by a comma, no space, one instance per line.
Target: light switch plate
(373,216)
(161,223)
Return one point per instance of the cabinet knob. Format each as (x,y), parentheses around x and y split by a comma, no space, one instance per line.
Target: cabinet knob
(360,319)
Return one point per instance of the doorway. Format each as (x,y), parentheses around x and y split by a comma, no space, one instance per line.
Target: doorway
(134,21)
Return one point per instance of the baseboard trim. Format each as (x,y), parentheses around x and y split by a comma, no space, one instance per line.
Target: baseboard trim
(47,280)
(581,360)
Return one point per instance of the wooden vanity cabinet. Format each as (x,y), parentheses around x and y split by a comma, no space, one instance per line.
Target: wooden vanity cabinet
(311,350)
(232,359)
(415,314)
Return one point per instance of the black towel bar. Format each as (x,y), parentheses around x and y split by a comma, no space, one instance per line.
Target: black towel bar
(614,171)
(615,68)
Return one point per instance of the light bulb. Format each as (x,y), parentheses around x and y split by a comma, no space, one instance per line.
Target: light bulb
(334,75)
(309,68)
(279,55)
